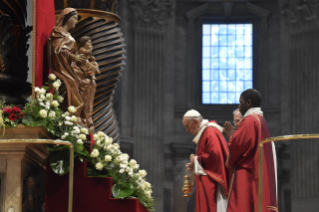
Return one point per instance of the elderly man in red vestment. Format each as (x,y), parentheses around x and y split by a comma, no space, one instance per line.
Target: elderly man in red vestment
(211,176)
(243,159)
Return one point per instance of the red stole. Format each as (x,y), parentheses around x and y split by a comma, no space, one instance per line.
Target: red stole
(243,158)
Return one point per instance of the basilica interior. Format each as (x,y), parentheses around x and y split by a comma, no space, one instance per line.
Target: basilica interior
(164,72)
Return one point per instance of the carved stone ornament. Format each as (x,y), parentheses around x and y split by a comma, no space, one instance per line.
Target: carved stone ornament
(152,14)
(301,15)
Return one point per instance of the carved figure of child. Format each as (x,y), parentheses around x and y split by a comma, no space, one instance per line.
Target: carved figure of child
(89,66)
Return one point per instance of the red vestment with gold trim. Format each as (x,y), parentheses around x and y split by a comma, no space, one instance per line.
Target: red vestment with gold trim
(212,152)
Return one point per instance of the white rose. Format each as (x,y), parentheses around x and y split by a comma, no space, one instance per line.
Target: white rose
(74,119)
(147,185)
(142,172)
(79,141)
(122,170)
(36,89)
(52,76)
(75,131)
(136,166)
(56,84)
(126,156)
(98,142)
(42,97)
(123,165)
(108,158)
(42,91)
(51,114)
(85,131)
(60,99)
(133,162)
(49,96)
(71,109)
(148,193)
(55,103)
(95,137)
(108,140)
(117,146)
(43,113)
(68,123)
(95,153)
(82,137)
(99,166)
(68,118)
(101,134)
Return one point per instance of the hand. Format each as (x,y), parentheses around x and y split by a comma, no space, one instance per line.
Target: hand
(189,167)
(80,58)
(229,129)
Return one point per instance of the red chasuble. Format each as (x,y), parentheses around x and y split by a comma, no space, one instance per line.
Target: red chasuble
(243,158)
(211,154)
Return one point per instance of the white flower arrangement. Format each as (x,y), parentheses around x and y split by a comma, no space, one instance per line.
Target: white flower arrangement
(107,155)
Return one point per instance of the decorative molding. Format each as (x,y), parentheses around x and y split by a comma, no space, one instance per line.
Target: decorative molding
(262,14)
(152,14)
(228,6)
(301,15)
(192,14)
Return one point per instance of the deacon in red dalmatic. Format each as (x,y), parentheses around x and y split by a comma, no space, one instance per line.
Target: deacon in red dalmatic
(243,159)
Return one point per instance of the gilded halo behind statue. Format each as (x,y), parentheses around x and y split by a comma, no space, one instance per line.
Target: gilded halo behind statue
(74,65)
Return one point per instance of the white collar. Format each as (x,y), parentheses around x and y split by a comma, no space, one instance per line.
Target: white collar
(205,123)
(254,110)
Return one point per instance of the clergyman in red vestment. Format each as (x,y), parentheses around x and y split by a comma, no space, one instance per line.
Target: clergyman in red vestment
(243,159)
(211,175)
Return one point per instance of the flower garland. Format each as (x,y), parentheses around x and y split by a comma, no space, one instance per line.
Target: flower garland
(106,158)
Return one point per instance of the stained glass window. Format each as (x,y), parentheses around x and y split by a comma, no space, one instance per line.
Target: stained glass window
(227,59)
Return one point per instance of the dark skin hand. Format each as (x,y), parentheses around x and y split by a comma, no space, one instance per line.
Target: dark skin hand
(229,129)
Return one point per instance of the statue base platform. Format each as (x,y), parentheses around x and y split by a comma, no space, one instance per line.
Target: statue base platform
(90,194)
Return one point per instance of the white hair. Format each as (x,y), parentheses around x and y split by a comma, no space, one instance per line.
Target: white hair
(235,111)
(193,114)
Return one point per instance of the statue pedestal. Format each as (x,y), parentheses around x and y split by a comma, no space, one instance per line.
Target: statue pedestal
(16,161)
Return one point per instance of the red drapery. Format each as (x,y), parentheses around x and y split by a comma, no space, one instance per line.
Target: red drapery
(43,22)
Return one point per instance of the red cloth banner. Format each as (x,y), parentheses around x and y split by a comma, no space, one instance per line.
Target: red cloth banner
(43,22)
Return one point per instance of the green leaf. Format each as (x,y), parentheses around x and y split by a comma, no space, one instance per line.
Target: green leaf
(80,149)
(122,192)
(60,162)
(30,121)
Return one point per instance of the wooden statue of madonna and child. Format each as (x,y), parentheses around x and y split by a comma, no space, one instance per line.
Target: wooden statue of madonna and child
(74,64)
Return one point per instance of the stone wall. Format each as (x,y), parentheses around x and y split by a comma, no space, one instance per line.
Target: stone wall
(162,81)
